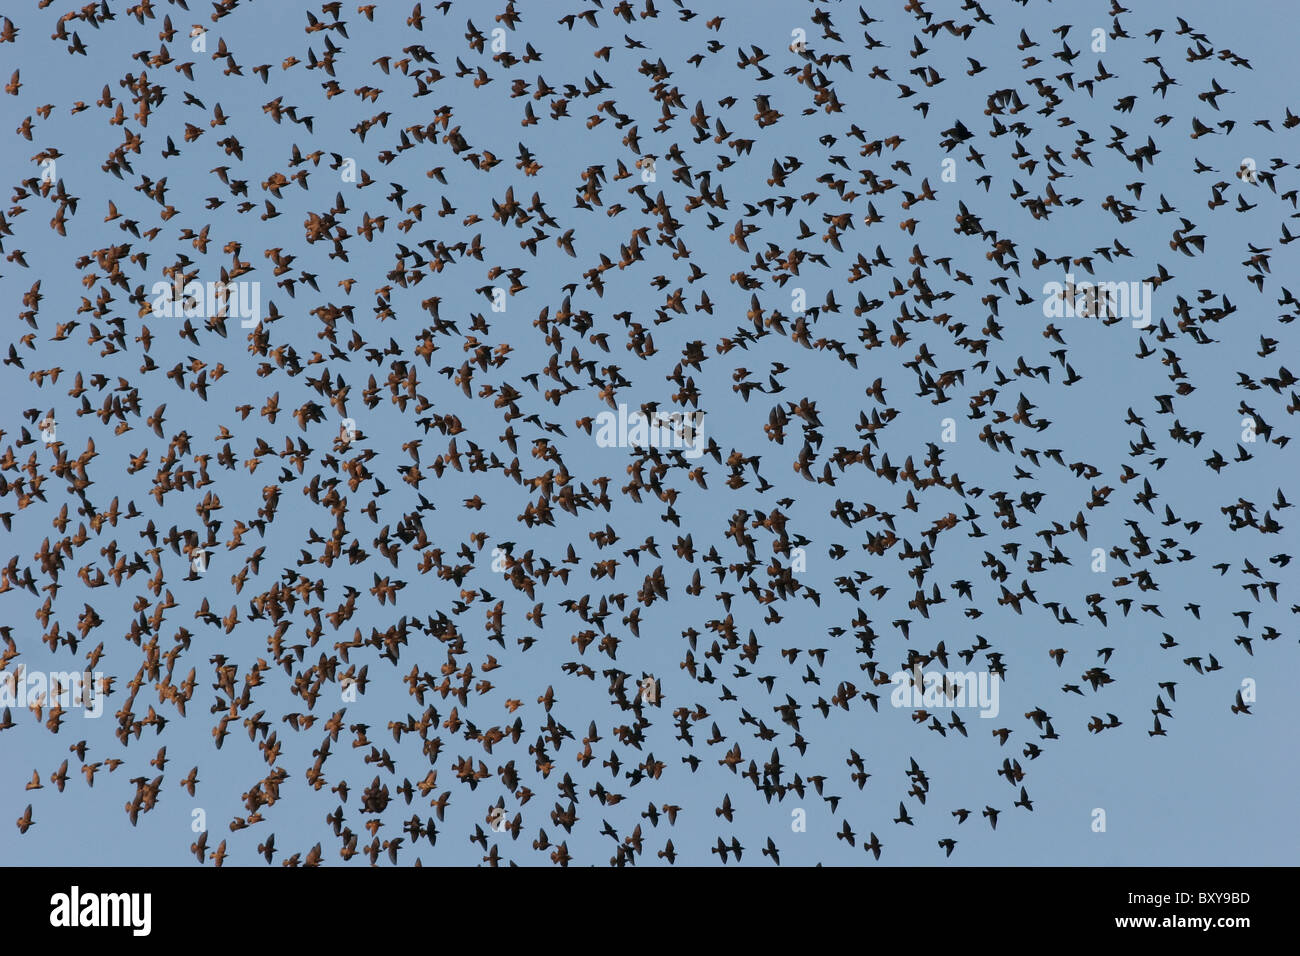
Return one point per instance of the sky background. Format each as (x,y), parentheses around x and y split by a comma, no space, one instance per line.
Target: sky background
(1219,789)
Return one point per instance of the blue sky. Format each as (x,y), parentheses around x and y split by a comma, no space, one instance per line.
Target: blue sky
(1218,789)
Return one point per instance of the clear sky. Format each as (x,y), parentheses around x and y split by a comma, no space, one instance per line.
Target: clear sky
(1218,789)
